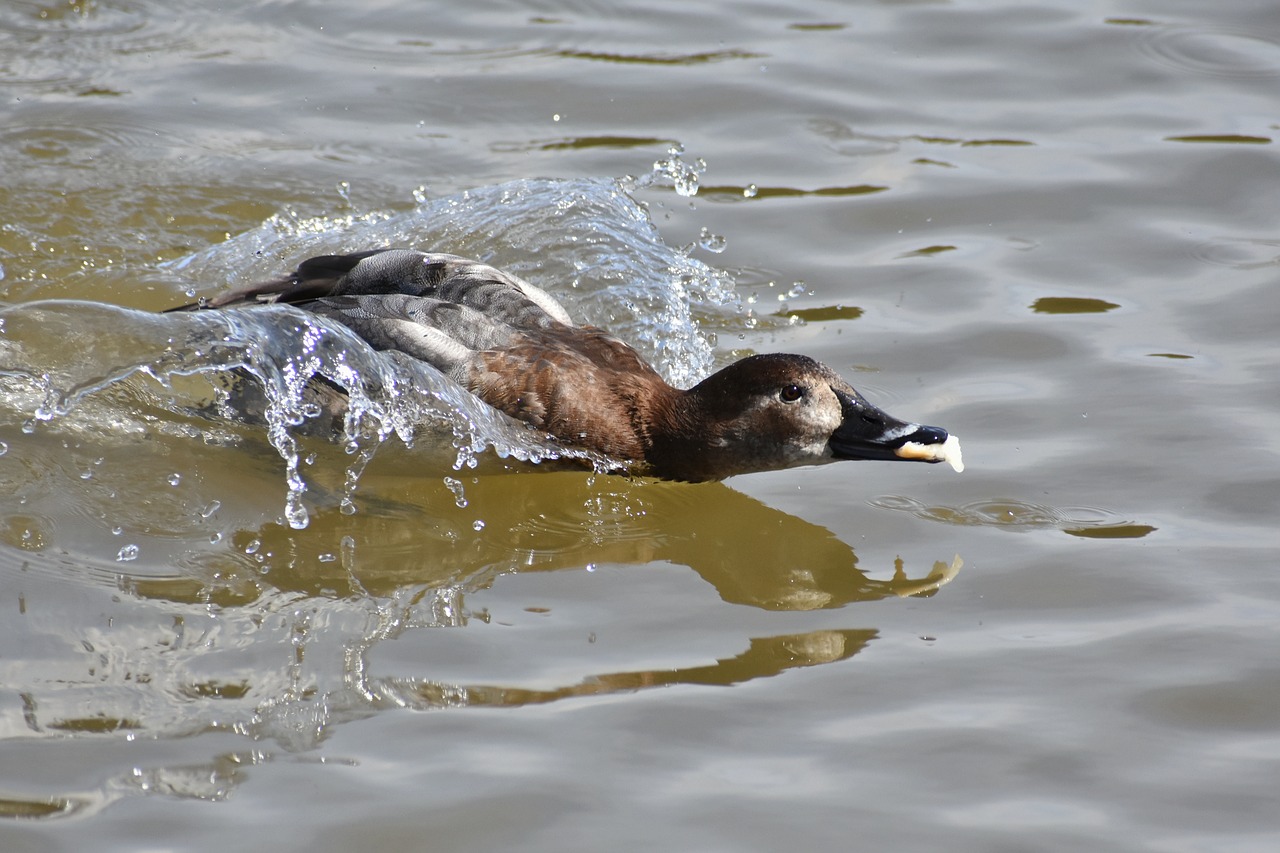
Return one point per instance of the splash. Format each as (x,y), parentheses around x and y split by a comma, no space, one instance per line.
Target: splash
(298,375)
(586,241)
(270,367)
(674,171)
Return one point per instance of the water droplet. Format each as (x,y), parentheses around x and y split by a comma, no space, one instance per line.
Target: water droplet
(477,525)
(210,508)
(683,176)
(253,546)
(455,486)
(751,191)
(4,448)
(175,479)
(127,553)
(711,242)
(294,512)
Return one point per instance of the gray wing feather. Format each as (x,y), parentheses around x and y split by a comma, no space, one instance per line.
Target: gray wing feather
(443,334)
(450,278)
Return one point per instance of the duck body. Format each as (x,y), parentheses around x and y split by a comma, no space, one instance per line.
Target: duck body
(517,349)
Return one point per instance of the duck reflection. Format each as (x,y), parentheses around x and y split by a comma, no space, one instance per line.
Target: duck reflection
(275,633)
(411,533)
(418,544)
(765,657)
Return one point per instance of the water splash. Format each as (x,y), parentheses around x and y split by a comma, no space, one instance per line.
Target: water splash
(711,242)
(675,172)
(299,375)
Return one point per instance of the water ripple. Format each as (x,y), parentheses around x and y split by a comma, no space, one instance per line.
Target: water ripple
(1239,253)
(1021,516)
(64,44)
(80,145)
(658,58)
(1212,51)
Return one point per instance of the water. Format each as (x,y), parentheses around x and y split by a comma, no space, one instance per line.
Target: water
(1048,227)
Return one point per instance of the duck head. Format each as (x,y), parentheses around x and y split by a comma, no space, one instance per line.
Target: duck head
(769,412)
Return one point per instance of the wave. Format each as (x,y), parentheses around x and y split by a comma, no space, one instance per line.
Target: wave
(204,375)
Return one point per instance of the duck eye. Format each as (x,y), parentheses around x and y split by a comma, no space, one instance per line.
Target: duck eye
(791,393)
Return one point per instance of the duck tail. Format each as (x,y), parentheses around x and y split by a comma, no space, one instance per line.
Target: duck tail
(315,278)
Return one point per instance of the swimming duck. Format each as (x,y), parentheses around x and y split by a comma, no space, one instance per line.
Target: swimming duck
(516,348)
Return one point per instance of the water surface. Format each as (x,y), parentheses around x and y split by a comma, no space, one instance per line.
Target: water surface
(1048,227)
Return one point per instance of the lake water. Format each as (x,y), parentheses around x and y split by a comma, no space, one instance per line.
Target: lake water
(1050,227)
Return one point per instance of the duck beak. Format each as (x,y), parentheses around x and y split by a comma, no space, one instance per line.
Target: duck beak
(870,433)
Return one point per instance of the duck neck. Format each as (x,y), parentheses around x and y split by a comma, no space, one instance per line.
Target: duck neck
(682,438)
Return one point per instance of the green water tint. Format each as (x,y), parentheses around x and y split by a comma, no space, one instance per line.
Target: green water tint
(1071,305)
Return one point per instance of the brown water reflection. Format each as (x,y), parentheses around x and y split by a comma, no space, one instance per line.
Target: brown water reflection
(209,781)
(228,636)
(766,657)
(417,533)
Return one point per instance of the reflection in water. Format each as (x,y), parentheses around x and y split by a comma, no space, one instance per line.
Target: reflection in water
(824,314)
(735,193)
(581,142)
(216,780)
(751,553)
(766,657)
(212,782)
(271,632)
(1221,139)
(659,59)
(153,601)
(1071,305)
(1020,516)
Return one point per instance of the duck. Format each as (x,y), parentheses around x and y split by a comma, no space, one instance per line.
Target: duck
(516,348)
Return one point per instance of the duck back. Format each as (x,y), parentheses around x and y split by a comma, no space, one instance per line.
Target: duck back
(381,272)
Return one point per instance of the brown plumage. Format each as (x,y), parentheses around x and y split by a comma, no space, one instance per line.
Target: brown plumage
(513,346)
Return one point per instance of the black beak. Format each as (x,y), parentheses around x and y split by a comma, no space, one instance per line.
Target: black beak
(870,433)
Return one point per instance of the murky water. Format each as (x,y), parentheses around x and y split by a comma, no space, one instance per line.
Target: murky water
(1050,227)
